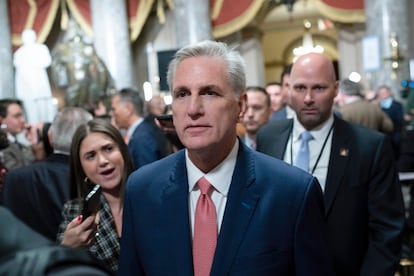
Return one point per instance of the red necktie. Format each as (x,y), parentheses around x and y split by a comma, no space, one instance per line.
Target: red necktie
(205,231)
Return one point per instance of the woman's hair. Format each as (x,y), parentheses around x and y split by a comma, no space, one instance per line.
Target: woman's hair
(78,186)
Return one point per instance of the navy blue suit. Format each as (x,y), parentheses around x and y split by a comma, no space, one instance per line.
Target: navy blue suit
(272,224)
(279,114)
(364,209)
(143,145)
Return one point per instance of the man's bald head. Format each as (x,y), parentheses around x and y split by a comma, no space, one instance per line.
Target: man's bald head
(313,87)
(315,62)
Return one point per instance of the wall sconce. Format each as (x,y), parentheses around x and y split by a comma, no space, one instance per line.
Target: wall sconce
(395,58)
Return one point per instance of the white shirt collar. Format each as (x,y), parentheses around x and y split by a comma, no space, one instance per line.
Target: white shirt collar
(220,177)
(248,141)
(132,128)
(319,133)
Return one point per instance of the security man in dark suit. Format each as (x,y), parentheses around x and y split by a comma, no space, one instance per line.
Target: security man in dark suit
(363,201)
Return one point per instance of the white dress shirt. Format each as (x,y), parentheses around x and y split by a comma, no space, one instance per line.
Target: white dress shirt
(219,177)
(132,128)
(249,142)
(319,169)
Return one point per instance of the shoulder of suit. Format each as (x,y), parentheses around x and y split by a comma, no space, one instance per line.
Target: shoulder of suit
(277,124)
(356,129)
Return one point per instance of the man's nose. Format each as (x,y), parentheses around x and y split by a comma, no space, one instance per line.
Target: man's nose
(195,106)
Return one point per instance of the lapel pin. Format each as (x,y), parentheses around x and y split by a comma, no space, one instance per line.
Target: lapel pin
(343,152)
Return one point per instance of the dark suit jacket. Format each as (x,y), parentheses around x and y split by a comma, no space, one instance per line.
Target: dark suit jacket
(406,159)
(363,202)
(15,156)
(272,224)
(396,114)
(279,114)
(25,252)
(36,193)
(143,145)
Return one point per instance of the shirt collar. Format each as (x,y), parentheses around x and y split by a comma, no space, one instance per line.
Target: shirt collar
(386,103)
(248,141)
(318,133)
(11,138)
(220,177)
(132,128)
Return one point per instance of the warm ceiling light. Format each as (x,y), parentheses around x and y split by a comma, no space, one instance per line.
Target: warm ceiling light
(307,43)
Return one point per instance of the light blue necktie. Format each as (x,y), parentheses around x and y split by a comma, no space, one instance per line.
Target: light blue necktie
(302,158)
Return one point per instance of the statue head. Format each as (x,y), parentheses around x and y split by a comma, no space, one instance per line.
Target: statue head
(29,36)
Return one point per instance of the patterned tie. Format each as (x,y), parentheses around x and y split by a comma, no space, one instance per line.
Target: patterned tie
(302,158)
(205,231)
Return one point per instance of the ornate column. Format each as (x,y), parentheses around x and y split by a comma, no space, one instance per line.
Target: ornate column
(349,47)
(192,21)
(388,21)
(111,40)
(252,52)
(6,55)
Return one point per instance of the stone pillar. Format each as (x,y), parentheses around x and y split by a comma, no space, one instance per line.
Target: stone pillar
(385,18)
(6,55)
(252,52)
(349,47)
(192,19)
(111,40)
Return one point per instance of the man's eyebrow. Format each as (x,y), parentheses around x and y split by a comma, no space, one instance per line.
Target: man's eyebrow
(179,88)
(298,85)
(323,85)
(209,87)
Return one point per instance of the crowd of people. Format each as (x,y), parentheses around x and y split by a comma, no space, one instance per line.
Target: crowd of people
(299,177)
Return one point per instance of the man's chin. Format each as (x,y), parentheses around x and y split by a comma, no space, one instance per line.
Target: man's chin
(195,144)
(310,122)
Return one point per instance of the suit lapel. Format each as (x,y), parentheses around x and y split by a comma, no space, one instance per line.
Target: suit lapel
(240,206)
(280,141)
(177,221)
(340,154)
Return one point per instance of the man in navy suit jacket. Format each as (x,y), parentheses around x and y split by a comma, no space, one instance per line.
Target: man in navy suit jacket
(363,203)
(395,111)
(141,137)
(269,214)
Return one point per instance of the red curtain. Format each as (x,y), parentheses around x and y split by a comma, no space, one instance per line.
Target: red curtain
(228,16)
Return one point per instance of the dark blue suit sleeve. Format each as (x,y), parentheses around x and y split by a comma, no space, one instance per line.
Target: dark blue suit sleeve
(143,146)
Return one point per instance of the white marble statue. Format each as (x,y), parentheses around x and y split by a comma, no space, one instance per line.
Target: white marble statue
(32,84)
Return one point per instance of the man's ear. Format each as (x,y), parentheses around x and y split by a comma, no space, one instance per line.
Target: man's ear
(242,104)
(129,108)
(2,123)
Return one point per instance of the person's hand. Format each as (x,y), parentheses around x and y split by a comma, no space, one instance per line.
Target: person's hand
(80,233)
(407,117)
(34,133)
